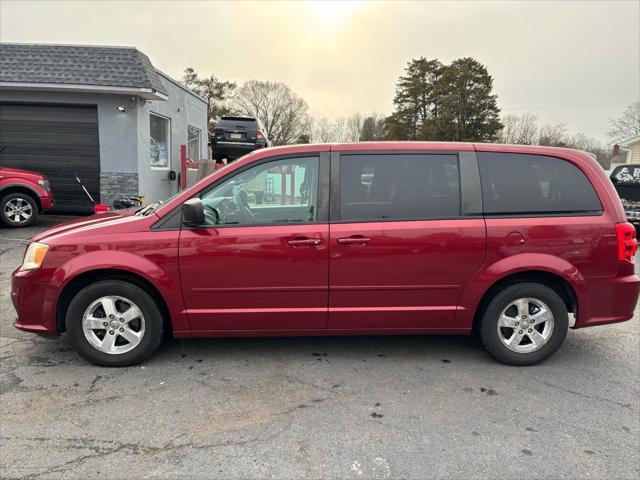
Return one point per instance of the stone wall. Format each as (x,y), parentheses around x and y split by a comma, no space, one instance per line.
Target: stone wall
(113,184)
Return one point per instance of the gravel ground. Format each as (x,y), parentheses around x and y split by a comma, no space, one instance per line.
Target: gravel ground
(357,407)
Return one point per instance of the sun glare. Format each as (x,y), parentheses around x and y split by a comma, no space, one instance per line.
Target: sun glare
(334,12)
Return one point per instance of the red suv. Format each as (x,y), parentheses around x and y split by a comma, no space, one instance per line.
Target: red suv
(373,238)
(23,195)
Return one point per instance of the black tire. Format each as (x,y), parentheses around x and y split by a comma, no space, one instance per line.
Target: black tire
(24,197)
(153,323)
(501,300)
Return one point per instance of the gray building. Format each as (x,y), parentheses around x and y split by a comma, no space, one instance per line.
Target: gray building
(105,114)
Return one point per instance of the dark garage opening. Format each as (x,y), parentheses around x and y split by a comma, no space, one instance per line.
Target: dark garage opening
(60,141)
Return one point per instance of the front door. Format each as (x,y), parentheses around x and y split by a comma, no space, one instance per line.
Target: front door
(400,249)
(161,182)
(261,261)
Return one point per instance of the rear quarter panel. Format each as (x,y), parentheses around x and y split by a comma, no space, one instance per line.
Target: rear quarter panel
(580,249)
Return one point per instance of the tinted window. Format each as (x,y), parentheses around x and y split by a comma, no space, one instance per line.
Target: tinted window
(399,186)
(283,191)
(238,122)
(523,184)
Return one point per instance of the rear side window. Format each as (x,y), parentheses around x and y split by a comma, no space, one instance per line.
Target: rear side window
(399,187)
(521,184)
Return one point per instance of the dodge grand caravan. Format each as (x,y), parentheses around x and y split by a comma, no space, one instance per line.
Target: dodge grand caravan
(364,238)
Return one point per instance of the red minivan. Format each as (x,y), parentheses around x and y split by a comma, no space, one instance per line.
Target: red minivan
(353,239)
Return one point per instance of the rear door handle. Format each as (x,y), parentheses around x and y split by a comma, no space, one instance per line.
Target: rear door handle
(301,242)
(354,240)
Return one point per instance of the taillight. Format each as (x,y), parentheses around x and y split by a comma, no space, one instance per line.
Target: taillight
(627,244)
(259,135)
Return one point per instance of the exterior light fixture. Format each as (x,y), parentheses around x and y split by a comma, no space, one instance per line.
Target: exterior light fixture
(122,109)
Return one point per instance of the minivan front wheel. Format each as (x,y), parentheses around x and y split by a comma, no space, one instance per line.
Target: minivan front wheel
(114,323)
(524,324)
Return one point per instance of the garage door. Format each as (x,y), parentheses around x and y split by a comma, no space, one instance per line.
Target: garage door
(58,141)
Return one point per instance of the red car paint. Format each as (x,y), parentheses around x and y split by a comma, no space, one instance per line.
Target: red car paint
(28,182)
(345,278)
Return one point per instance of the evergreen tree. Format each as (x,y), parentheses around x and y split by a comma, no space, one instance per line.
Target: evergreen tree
(444,102)
(469,110)
(216,92)
(415,101)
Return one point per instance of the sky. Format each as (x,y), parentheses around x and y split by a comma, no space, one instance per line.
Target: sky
(573,61)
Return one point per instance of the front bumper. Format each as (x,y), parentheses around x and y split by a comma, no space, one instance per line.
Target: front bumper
(47,202)
(35,303)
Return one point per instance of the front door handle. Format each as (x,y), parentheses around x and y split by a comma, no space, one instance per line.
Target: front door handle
(354,240)
(301,242)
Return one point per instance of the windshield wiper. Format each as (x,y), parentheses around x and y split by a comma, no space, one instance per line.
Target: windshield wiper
(149,209)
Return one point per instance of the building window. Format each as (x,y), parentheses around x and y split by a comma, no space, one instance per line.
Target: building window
(159,140)
(193,143)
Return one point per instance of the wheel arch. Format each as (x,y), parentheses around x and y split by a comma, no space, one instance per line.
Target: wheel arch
(552,280)
(86,278)
(20,188)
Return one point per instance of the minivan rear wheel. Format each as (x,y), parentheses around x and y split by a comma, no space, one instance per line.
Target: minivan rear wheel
(114,323)
(524,324)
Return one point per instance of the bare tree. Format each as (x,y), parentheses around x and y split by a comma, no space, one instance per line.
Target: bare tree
(580,141)
(626,126)
(323,131)
(282,112)
(519,129)
(524,130)
(354,125)
(341,130)
(553,135)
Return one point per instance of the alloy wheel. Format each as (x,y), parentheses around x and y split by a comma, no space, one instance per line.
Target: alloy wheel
(525,325)
(18,210)
(113,324)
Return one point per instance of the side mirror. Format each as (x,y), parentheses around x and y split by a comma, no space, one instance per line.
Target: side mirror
(193,213)
(171,176)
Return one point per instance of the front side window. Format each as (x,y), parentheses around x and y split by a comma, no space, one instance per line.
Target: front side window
(399,187)
(159,141)
(521,184)
(193,143)
(277,192)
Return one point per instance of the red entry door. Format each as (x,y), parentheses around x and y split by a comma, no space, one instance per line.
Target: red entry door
(261,261)
(401,250)
(258,278)
(401,275)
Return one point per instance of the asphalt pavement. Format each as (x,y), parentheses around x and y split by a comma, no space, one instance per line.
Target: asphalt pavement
(346,407)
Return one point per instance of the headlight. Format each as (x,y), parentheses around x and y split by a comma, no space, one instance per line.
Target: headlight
(45,184)
(34,256)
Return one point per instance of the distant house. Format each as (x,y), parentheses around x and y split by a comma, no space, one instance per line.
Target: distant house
(619,156)
(633,146)
(103,113)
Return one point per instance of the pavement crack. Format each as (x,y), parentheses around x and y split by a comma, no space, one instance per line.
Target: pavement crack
(584,395)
